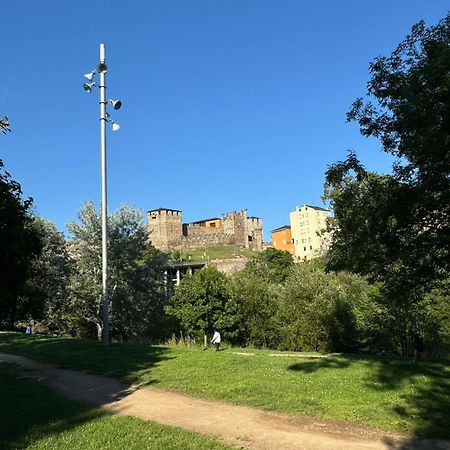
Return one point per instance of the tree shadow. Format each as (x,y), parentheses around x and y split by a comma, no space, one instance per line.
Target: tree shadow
(416,443)
(312,365)
(427,407)
(31,411)
(127,362)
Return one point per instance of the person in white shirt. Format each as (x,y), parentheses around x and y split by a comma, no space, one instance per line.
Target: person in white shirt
(216,340)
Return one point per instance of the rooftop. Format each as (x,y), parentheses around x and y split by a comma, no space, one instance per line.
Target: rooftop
(284,227)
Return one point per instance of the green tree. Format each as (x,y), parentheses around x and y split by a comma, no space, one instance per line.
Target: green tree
(436,319)
(271,264)
(396,228)
(203,303)
(46,297)
(322,311)
(257,301)
(19,245)
(136,275)
(4,125)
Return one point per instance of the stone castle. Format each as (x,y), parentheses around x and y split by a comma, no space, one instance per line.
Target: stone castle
(167,232)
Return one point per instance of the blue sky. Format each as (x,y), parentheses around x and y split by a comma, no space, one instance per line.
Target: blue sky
(226,104)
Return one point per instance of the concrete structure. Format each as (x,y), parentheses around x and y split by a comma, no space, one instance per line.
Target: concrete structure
(282,239)
(167,232)
(308,224)
(176,270)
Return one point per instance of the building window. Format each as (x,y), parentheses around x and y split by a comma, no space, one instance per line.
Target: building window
(304,248)
(310,247)
(250,239)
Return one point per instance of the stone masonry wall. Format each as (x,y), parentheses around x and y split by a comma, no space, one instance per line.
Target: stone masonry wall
(254,229)
(166,231)
(165,228)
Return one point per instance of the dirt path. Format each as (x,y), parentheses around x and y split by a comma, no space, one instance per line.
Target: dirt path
(243,427)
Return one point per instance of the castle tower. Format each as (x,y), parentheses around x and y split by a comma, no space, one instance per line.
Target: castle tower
(165,229)
(254,233)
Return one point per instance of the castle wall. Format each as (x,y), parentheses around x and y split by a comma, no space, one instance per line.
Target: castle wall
(229,266)
(166,231)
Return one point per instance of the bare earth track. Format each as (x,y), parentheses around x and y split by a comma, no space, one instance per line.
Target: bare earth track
(239,426)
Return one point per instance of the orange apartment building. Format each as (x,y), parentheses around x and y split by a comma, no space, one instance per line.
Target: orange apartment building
(282,239)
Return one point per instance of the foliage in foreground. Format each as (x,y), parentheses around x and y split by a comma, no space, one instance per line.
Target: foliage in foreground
(62,423)
(395,228)
(19,245)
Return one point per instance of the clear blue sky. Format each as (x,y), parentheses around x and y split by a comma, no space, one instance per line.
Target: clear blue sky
(226,104)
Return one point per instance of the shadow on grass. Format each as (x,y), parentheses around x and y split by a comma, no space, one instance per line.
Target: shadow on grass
(417,443)
(427,404)
(423,394)
(312,365)
(127,362)
(31,411)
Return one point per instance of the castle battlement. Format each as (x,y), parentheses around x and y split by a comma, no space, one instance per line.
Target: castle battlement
(166,230)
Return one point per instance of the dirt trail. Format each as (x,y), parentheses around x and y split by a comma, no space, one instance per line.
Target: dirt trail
(243,427)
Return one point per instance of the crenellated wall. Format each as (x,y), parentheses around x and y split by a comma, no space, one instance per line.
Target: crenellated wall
(166,231)
(165,228)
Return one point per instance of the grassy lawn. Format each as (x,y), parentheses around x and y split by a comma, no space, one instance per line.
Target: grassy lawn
(391,394)
(32,416)
(219,252)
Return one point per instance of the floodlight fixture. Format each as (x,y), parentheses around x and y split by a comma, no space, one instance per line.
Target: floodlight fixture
(90,75)
(116,104)
(88,86)
(115,126)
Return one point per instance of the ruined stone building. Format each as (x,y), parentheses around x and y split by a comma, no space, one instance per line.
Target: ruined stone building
(167,231)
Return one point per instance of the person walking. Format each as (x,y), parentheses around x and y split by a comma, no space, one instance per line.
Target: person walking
(216,340)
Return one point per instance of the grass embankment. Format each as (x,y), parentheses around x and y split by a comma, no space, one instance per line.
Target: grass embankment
(391,394)
(33,416)
(218,252)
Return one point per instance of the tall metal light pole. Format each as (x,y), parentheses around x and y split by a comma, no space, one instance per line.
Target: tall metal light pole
(104,117)
(102,73)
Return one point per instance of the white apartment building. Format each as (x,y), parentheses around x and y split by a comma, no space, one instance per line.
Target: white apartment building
(307,226)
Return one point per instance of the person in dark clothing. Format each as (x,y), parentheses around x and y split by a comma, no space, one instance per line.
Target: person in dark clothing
(418,345)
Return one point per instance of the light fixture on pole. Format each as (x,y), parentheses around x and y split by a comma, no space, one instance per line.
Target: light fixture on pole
(114,125)
(104,117)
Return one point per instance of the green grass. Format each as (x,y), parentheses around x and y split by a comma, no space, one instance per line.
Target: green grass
(32,416)
(218,252)
(390,394)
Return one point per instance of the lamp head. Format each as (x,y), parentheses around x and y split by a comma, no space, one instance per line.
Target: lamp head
(88,86)
(116,104)
(115,126)
(90,75)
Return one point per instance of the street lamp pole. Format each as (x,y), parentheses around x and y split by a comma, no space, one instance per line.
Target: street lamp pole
(103,119)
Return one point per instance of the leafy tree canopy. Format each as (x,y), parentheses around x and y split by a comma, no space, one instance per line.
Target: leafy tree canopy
(19,244)
(136,274)
(271,264)
(203,303)
(398,226)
